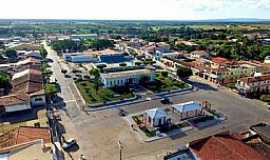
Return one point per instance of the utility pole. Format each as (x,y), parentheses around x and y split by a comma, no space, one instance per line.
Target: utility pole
(120,149)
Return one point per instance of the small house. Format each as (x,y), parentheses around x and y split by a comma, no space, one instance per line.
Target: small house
(156,117)
(188,110)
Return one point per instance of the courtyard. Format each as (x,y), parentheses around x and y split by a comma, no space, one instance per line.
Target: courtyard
(91,94)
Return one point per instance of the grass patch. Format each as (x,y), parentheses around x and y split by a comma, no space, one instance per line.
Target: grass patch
(89,93)
(230,85)
(162,84)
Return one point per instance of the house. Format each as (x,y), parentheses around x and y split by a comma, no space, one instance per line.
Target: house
(14,103)
(29,82)
(188,109)
(256,84)
(199,54)
(223,146)
(124,77)
(25,142)
(79,58)
(156,117)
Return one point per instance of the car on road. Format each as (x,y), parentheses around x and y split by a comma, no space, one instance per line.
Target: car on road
(148,98)
(122,113)
(69,143)
(268,105)
(67,76)
(64,71)
(166,100)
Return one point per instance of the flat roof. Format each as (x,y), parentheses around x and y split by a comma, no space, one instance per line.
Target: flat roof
(125,73)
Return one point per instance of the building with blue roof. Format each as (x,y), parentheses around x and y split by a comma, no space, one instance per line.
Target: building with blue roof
(114,58)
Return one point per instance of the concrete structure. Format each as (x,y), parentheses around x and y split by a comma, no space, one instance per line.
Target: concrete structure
(122,78)
(257,84)
(188,109)
(199,54)
(156,117)
(79,58)
(267,60)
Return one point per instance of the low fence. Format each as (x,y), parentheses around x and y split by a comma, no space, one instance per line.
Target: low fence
(96,105)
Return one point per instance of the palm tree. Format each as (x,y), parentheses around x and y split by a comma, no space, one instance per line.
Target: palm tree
(96,74)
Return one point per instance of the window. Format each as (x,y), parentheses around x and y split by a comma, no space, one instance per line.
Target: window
(38,99)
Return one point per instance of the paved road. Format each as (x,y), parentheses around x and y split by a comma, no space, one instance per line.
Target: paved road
(72,100)
(99,132)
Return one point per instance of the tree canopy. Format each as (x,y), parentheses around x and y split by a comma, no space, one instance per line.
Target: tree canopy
(184,72)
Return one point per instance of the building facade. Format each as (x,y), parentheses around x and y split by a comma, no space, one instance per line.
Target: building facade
(129,77)
(251,85)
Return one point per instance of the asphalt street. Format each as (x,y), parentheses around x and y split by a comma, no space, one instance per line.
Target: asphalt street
(98,132)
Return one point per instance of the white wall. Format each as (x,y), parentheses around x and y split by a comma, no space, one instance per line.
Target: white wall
(16,108)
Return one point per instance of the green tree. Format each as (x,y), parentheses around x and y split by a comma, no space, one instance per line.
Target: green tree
(184,72)
(11,53)
(96,74)
(4,81)
(43,52)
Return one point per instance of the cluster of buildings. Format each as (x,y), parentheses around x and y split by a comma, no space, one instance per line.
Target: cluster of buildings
(159,118)
(27,86)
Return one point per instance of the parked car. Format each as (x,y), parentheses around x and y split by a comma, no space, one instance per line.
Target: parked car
(268,105)
(64,71)
(69,143)
(148,98)
(67,76)
(122,113)
(166,101)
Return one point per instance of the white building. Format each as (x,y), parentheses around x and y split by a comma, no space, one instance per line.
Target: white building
(156,117)
(267,60)
(79,58)
(188,109)
(122,78)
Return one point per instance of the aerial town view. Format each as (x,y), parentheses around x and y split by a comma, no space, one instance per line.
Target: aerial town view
(126,80)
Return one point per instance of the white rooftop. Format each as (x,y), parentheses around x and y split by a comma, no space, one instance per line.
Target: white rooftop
(20,74)
(156,113)
(187,106)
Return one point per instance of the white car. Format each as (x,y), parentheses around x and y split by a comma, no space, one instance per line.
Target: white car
(148,98)
(69,143)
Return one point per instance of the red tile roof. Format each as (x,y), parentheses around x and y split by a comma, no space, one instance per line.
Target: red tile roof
(220,60)
(14,99)
(24,134)
(28,83)
(224,147)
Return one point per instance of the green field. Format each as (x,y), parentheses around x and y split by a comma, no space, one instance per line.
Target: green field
(89,93)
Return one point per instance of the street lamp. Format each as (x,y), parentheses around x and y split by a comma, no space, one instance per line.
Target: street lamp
(120,146)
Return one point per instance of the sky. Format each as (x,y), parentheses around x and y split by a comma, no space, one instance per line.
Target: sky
(135,9)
